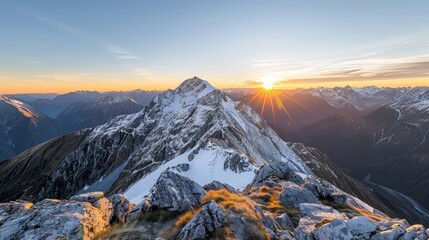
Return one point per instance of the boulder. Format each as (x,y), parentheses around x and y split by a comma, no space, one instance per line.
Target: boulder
(209,219)
(325,190)
(281,170)
(292,195)
(319,212)
(336,229)
(174,192)
(87,197)
(305,229)
(105,206)
(394,233)
(216,185)
(361,226)
(388,224)
(284,221)
(54,219)
(415,232)
(122,208)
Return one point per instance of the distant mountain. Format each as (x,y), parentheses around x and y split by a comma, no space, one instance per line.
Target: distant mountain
(382,147)
(195,129)
(31,97)
(82,115)
(286,112)
(22,127)
(53,107)
(143,97)
(368,99)
(199,166)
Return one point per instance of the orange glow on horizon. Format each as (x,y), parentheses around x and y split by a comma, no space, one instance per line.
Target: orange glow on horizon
(8,86)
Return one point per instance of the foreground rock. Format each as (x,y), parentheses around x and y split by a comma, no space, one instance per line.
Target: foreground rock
(174,192)
(208,220)
(59,219)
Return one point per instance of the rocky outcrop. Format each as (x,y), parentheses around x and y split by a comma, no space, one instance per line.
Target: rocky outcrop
(284,221)
(59,219)
(216,185)
(122,207)
(281,170)
(174,192)
(292,195)
(318,212)
(209,219)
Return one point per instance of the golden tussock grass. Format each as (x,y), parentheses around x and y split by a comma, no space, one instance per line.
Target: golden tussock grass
(186,217)
(268,199)
(233,202)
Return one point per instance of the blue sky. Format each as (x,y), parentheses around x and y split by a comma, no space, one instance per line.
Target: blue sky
(58,46)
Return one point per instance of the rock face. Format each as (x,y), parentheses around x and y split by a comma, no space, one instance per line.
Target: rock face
(22,127)
(173,192)
(208,220)
(58,219)
(80,115)
(318,212)
(293,195)
(280,170)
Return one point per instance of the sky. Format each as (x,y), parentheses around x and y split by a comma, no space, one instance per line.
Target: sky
(63,46)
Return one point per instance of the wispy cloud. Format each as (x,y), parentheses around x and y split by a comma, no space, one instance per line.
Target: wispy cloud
(52,22)
(121,53)
(401,57)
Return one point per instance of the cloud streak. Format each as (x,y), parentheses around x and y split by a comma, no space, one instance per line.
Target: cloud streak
(123,54)
(402,57)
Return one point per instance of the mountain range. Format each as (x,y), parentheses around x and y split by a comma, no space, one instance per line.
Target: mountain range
(26,123)
(192,164)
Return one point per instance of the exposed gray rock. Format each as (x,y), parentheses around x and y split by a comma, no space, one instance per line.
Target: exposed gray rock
(292,195)
(394,233)
(52,219)
(388,224)
(174,192)
(305,229)
(284,235)
(284,221)
(281,170)
(325,190)
(122,207)
(415,232)
(336,229)
(270,224)
(318,212)
(105,206)
(208,219)
(87,197)
(216,185)
(361,227)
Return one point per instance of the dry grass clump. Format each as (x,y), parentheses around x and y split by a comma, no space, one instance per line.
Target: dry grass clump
(323,222)
(237,203)
(244,207)
(354,211)
(186,217)
(268,199)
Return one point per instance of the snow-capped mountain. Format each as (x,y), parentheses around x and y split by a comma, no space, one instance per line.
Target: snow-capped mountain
(54,106)
(368,99)
(170,159)
(82,115)
(193,122)
(382,147)
(21,127)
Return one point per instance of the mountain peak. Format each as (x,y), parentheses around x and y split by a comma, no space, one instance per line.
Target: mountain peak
(197,85)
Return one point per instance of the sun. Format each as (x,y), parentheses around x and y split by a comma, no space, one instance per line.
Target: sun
(268,83)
